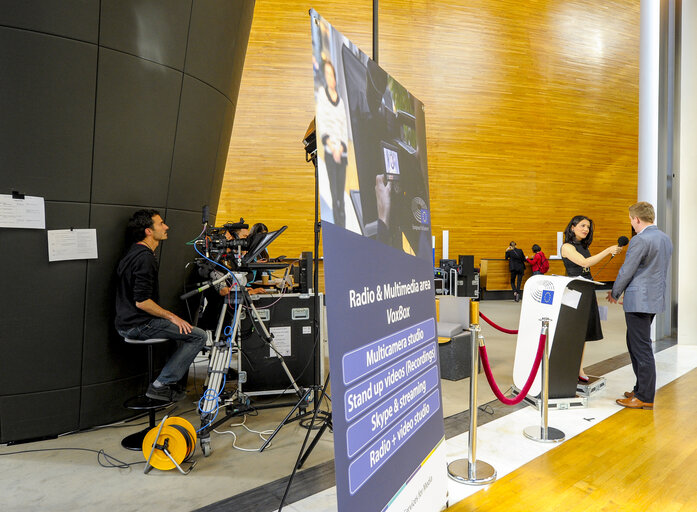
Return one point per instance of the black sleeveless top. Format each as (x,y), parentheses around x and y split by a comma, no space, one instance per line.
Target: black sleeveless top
(594,330)
(573,270)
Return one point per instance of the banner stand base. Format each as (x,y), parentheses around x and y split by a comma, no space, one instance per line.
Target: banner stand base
(559,404)
(482,474)
(594,385)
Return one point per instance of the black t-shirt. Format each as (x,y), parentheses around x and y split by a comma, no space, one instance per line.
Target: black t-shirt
(137,281)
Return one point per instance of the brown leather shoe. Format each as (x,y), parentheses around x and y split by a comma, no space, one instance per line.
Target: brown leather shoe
(634,403)
(629,394)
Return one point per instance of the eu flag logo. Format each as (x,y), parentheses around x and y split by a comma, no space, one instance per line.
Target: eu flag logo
(424,217)
(547,296)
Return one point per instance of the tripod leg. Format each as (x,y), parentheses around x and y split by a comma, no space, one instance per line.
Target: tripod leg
(327,423)
(218,368)
(269,340)
(285,420)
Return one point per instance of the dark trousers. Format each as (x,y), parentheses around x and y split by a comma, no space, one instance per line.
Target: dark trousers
(516,280)
(337,185)
(641,353)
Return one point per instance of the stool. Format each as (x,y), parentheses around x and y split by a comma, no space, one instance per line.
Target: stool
(142,402)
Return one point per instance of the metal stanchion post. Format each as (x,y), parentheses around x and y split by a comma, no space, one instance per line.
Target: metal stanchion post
(544,433)
(472,471)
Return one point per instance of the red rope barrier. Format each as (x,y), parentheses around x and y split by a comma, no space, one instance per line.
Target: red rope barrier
(523,392)
(507,331)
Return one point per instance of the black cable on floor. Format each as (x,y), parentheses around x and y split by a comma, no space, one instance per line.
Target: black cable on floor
(101,455)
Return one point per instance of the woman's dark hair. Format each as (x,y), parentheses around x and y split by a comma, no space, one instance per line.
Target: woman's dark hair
(570,237)
(326,63)
(536,248)
(138,223)
(258,228)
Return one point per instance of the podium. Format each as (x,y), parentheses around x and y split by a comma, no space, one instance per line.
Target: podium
(566,301)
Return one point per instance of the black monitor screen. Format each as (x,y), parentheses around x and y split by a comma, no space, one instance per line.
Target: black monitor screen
(259,243)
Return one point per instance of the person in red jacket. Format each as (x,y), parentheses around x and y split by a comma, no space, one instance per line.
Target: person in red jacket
(536,260)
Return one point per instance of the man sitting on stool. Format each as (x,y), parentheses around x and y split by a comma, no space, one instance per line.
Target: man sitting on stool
(138,315)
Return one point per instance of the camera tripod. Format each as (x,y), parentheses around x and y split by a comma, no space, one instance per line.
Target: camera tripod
(221,359)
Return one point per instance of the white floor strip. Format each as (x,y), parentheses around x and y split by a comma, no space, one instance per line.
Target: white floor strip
(501,442)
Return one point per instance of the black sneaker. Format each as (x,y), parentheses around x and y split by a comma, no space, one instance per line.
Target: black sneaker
(166,393)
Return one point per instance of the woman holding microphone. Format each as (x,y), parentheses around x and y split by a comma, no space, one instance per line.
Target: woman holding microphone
(577,259)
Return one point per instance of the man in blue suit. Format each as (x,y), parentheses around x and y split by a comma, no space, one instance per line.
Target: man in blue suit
(642,279)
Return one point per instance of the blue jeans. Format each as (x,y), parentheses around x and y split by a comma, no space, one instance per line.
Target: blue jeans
(189,345)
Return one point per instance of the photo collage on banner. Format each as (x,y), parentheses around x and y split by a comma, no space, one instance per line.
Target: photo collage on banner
(376,229)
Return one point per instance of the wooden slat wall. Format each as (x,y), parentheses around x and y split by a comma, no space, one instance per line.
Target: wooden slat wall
(531,113)
(495,275)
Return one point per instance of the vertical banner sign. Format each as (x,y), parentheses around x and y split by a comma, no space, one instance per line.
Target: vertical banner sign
(376,228)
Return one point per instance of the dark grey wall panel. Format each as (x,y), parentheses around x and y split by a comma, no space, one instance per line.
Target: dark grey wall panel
(103,403)
(242,36)
(76,19)
(184,226)
(134,131)
(45,312)
(33,415)
(201,117)
(218,43)
(93,129)
(153,29)
(223,147)
(47,89)
(105,355)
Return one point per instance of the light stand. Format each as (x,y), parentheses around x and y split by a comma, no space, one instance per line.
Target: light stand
(310,142)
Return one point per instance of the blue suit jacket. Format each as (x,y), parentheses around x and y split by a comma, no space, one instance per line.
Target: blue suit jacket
(643,276)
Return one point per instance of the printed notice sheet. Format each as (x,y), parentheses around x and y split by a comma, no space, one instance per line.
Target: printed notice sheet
(281,338)
(22,213)
(72,244)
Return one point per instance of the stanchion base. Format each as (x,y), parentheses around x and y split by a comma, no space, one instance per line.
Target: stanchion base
(482,474)
(537,433)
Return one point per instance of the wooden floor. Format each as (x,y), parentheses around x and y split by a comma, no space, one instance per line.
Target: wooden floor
(636,460)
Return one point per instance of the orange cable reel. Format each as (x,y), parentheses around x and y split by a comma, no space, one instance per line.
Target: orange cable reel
(178,434)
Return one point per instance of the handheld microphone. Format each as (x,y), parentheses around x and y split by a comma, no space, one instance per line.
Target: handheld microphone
(204,214)
(621,241)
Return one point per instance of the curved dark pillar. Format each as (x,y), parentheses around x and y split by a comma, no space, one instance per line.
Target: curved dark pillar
(107,107)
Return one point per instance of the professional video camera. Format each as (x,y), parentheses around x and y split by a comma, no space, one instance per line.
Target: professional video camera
(224,244)
(226,236)
(222,247)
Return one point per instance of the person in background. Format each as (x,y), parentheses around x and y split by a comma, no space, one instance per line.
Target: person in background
(331,118)
(516,265)
(259,228)
(576,255)
(536,260)
(643,279)
(223,288)
(253,286)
